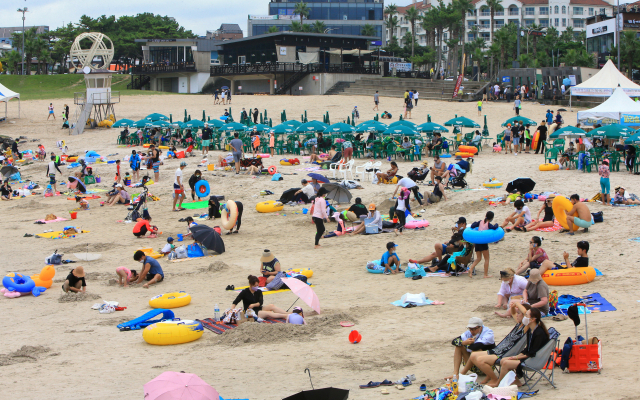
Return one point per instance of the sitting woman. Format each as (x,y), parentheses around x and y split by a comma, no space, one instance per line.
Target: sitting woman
(225,160)
(511,290)
(619,197)
(537,338)
(388,176)
(485,361)
(121,197)
(535,257)
(325,157)
(340,229)
(270,265)
(377,221)
(548,219)
(252,299)
(253,170)
(438,192)
(296,317)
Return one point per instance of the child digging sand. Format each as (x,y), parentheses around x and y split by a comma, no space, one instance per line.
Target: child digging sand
(151,270)
(126,275)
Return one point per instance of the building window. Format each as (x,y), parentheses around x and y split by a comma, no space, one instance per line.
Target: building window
(564,9)
(577,10)
(529,11)
(444,36)
(603,11)
(499,13)
(471,37)
(544,10)
(499,23)
(444,48)
(556,10)
(485,35)
(544,23)
(528,22)
(556,22)
(578,23)
(513,10)
(590,10)
(471,24)
(485,11)
(485,24)
(564,22)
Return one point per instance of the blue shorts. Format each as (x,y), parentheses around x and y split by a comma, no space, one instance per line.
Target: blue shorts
(444,249)
(156,166)
(205,143)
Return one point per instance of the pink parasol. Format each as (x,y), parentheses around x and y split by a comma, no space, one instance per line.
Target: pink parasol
(178,386)
(304,292)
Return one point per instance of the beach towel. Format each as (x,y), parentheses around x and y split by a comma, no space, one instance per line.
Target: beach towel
(53,220)
(556,227)
(196,205)
(594,301)
(266,292)
(92,197)
(220,328)
(57,235)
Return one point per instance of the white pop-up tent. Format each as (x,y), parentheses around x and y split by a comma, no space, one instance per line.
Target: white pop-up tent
(619,108)
(6,95)
(605,82)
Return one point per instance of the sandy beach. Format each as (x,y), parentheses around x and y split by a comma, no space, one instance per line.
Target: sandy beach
(56,347)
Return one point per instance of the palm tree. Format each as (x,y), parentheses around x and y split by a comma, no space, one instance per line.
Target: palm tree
(502,40)
(319,27)
(494,5)
(368,30)
(629,50)
(412,15)
(392,21)
(273,29)
(296,26)
(302,9)
(535,27)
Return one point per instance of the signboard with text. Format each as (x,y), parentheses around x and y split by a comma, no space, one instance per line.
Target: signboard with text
(629,120)
(400,67)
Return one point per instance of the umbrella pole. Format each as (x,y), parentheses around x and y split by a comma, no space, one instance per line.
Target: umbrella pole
(293,304)
(309,372)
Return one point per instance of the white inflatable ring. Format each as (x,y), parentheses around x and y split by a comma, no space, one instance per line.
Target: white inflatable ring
(229,220)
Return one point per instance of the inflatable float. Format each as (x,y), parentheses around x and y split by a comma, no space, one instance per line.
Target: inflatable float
(272,170)
(148,251)
(202,188)
(269,206)
(549,167)
(146,320)
(473,235)
(464,155)
(170,300)
(569,276)
(492,183)
(446,155)
(229,215)
(378,271)
(536,138)
(172,332)
(468,149)
(302,271)
(421,223)
(560,205)
(290,161)
(45,277)
(16,285)
(264,155)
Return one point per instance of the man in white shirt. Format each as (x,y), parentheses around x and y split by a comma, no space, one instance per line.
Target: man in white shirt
(411,185)
(178,188)
(305,194)
(477,337)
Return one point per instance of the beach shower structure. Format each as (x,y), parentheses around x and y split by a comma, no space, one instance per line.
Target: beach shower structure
(93,52)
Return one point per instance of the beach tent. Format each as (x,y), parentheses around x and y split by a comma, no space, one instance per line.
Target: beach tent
(604,83)
(619,108)
(5,96)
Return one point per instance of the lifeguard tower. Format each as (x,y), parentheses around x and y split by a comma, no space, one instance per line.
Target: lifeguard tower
(98,99)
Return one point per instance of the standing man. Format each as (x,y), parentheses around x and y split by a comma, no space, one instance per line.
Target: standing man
(178,188)
(411,185)
(229,95)
(215,97)
(134,163)
(415,96)
(206,139)
(516,105)
(51,173)
(51,112)
(549,117)
(255,115)
(376,101)
(543,135)
(237,151)
(155,162)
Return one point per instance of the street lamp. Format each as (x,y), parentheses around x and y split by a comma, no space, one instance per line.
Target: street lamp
(23,10)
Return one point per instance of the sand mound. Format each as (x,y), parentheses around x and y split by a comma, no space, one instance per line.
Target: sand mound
(72,297)
(216,266)
(24,354)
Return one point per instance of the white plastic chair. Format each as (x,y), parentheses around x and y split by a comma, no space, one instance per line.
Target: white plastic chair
(362,170)
(376,166)
(347,169)
(333,167)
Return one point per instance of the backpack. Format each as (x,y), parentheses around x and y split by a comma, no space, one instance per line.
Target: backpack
(598,216)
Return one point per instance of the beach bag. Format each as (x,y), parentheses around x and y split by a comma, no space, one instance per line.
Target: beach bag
(598,216)
(54,259)
(301,278)
(231,316)
(181,252)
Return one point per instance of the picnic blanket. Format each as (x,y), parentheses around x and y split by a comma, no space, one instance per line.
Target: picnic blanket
(190,258)
(556,227)
(57,235)
(196,205)
(92,197)
(220,328)
(414,300)
(53,220)
(594,301)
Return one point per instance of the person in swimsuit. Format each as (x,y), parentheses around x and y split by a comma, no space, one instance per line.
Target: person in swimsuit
(126,275)
(388,176)
(270,265)
(578,215)
(548,219)
(482,250)
(252,299)
(51,114)
(155,162)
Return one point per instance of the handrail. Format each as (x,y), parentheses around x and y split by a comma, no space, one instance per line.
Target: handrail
(272,68)
(164,68)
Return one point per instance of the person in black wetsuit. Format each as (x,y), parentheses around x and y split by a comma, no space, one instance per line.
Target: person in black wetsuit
(197,176)
(252,299)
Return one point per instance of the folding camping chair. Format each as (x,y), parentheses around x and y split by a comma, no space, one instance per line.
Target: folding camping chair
(536,365)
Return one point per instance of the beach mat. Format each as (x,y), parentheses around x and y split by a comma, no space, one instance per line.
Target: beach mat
(53,220)
(92,197)
(265,292)
(189,259)
(57,235)
(197,205)
(220,328)
(594,301)
(556,227)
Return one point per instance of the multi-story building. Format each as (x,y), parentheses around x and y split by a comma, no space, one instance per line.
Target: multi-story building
(6,37)
(340,18)
(226,32)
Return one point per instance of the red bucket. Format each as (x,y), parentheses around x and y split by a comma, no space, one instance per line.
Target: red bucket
(74,215)
(180,154)
(355,337)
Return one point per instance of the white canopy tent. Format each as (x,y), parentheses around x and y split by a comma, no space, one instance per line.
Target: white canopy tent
(619,108)
(604,83)
(5,96)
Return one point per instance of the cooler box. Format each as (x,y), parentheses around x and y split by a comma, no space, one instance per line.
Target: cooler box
(586,357)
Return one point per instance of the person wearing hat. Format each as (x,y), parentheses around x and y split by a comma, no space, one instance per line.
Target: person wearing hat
(477,337)
(375,220)
(619,197)
(120,197)
(169,247)
(390,260)
(303,195)
(75,281)
(297,317)
(195,178)
(547,220)
(453,245)
(270,265)
(178,188)
(537,292)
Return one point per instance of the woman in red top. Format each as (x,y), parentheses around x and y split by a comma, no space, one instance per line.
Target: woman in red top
(535,256)
(142,227)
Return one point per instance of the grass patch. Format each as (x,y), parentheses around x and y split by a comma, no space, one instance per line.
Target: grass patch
(45,87)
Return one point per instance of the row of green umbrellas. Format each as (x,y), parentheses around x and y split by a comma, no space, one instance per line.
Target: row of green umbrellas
(613,131)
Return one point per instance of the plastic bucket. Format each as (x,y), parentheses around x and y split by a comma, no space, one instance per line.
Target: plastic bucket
(97,179)
(305,210)
(355,337)
(179,237)
(74,215)
(180,154)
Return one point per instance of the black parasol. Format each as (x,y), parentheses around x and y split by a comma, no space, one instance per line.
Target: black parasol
(208,237)
(522,185)
(287,195)
(321,394)
(338,193)
(8,170)
(75,183)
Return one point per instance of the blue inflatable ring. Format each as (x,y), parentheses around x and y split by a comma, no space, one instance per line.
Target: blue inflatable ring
(482,237)
(446,155)
(202,188)
(18,283)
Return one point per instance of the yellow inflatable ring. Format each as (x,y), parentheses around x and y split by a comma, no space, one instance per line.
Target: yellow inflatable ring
(492,184)
(283,162)
(303,271)
(151,253)
(172,332)
(229,220)
(569,276)
(163,147)
(560,205)
(549,167)
(170,300)
(269,206)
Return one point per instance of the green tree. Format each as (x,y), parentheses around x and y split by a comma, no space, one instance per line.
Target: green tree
(392,21)
(412,16)
(368,30)
(319,27)
(463,7)
(629,50)
(302,9)
(13,61)
(273,29)
(578,58)
(296,26)
(494,5)
(30,45)
(60,40)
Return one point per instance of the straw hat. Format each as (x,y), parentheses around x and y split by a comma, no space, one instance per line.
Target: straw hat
(534,276)
(78,272)
(267,256)
(551,196)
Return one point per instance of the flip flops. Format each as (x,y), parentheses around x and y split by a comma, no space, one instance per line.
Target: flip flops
(386,382)
(400,387)
(346,324)
(370,385)
(230,287)
(384,391)
(423,387)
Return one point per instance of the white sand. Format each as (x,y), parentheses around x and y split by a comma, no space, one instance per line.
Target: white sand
(77,352)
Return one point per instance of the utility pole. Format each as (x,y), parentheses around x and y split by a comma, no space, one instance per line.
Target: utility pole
(23,10)
(618,33)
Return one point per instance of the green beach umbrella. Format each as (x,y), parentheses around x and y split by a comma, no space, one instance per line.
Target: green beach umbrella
(179,124)
(283,116)
(123,122)
(194,124)
(142,123)
(261,119)
(185,115)
(485,128)
(524,120)
(634,139)
(216,123)
(293,123)
(349,120)
(371,126)
(261,128)
(613,131)
(568,131)
(204,117)
(160,124)
(270,123)
(403,123)
(431,127)
(265,114)
(463,122)
(171,118)
(283,129)
(157,117)
(429,118)
(311,127)
(233,127)
(400,130)
(339,128)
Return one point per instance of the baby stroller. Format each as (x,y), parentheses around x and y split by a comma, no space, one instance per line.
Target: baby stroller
(416,176)
(456,177)
(139,208)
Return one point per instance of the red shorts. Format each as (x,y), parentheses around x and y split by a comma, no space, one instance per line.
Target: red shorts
(348,152)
